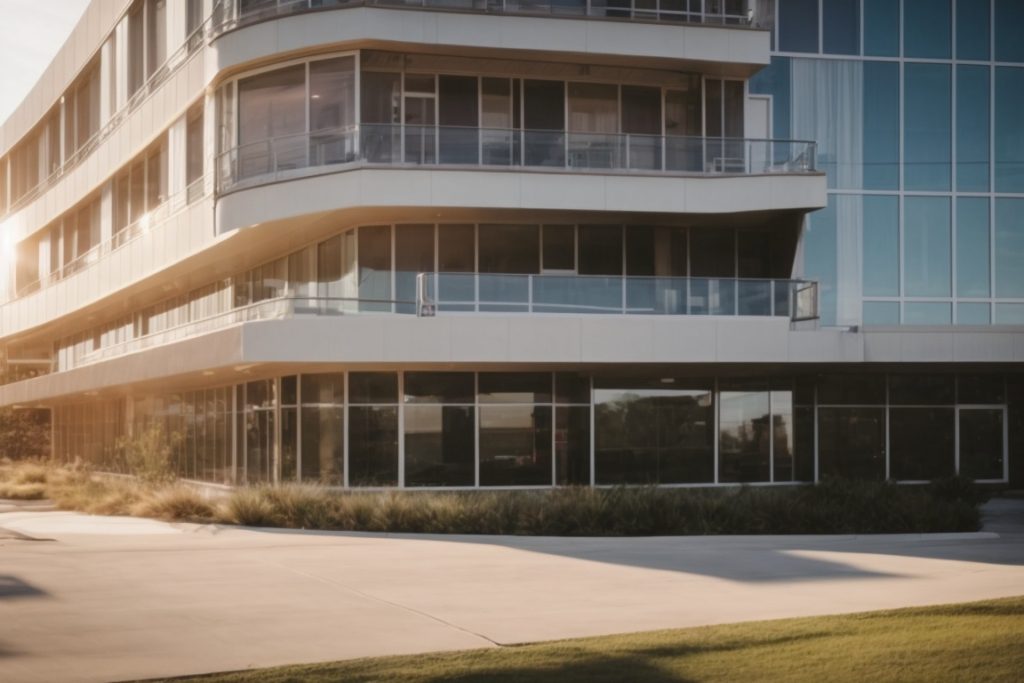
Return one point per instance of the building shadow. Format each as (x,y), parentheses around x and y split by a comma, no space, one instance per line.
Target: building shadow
(13,588)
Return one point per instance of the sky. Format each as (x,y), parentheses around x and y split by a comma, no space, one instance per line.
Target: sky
(31,32)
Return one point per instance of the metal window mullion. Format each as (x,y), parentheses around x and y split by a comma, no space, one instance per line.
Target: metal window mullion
(593,431)
(347,424)
(401,430)
(716,401)
(476,432)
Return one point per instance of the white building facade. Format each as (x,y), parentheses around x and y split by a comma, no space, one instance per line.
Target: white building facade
(461,243)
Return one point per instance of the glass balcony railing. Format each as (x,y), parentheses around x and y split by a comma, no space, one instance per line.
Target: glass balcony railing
(231,14)
(438,293)
(469,293)
(450,146)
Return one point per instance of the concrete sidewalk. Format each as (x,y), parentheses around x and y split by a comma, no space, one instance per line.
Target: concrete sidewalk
(112,598)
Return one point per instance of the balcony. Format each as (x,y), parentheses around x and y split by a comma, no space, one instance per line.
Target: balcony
(439,294)
(411,146)
(232,14)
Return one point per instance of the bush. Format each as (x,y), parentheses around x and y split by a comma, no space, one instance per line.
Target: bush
(176,504)
(148,454)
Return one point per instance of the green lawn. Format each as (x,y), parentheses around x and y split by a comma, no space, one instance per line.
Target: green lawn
(979,641)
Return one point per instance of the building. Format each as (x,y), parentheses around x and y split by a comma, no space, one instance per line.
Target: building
(494,243)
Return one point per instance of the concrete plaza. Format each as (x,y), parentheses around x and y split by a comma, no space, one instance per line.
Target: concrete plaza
(108,598)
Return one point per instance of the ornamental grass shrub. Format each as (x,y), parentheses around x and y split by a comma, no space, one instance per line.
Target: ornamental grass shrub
(834,506)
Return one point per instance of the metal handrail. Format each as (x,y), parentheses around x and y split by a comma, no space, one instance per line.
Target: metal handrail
(228,15)
(467,146)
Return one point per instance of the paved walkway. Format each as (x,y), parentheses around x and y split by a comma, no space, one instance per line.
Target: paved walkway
(107,598)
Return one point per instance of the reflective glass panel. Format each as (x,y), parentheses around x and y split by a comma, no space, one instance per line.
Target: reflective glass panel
(744,436)
(981,443)
(921,443)
(439,445)
(972,247)
(921,313)
(372,387)
(654,433)
(851,389)
(1009,133)
(881,110)
(798,25)
(374,268)
(972,29)
(926,28)
(373,445)
(926,241)
(981,389)
(881,313)
(414,254)
(515,446)
(439,387)
(1009,247)
(881,28)
(881,246)
(1010,314)
(851,443)
(922,390)
(572,445)
(973,314)
(841,27)
(1009,17)
(927,132)
(972,128)
(514,387)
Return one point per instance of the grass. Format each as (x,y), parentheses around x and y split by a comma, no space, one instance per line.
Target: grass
(979,641)
(831,507)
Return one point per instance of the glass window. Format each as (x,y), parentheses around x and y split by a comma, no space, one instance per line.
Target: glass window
(456,254)
(881,124)
(156,35)
(972,28)
(515,445)
(921,443)
(272,105)
(927,132)
(881,313)
(1009,133)
(1010,314)
(841,27)
(1009,247)
(509,249)
(372,387)
(851,390)
(439,445)
(881,246)
(323,428)
(514,387)
(439,387)
(921,390)
(981,389)
(593,108)
(981,443)
(458,115)
(600,250)
(332,109)
(374,268)
(414,254)
(798,25)
(926,28)
(194,146)
(926,240)
(559,247)
(972,247)
(572,387)
(820,258)
(572,445)
(973,314)
(851,443)
(373,445)
(919,313)
(653,432)
(783,436)
(881,28)
(972,128)
(1009,17)
(544,121)
(744,436)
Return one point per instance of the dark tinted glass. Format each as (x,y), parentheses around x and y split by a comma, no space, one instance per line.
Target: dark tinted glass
(921,442)
(572,387)
(798,25)
(439,445)
(926,28)
(1009,18)
(841,27)
(981,389)
(572,445)
(372,387)
(881,28)
(515,446)
(373,446)
(972,29)
(515,387)
(922,390)
(439,387)
(851,443)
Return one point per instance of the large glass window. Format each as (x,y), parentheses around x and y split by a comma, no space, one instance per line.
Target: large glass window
(881,110)
(982,449)
(744,437)
(921,443)
(600,250)
(373,429)
(798,25)
(323,428)
(851,443)
(440,429)
(881,246)
(926,28)
(515,430)
(374,244)
(1009,247)
(653,432)
(1009,133)
(572,429)
(881,28)
(841,27)
(972,128)
(332,110)
(458,115)
(272,105)
(544,122)
(972,29)
(414,254)
(972,247)
(1009,17)
(927,132)
(926,238)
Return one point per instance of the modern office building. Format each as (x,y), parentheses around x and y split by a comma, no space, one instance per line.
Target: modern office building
(499,243)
